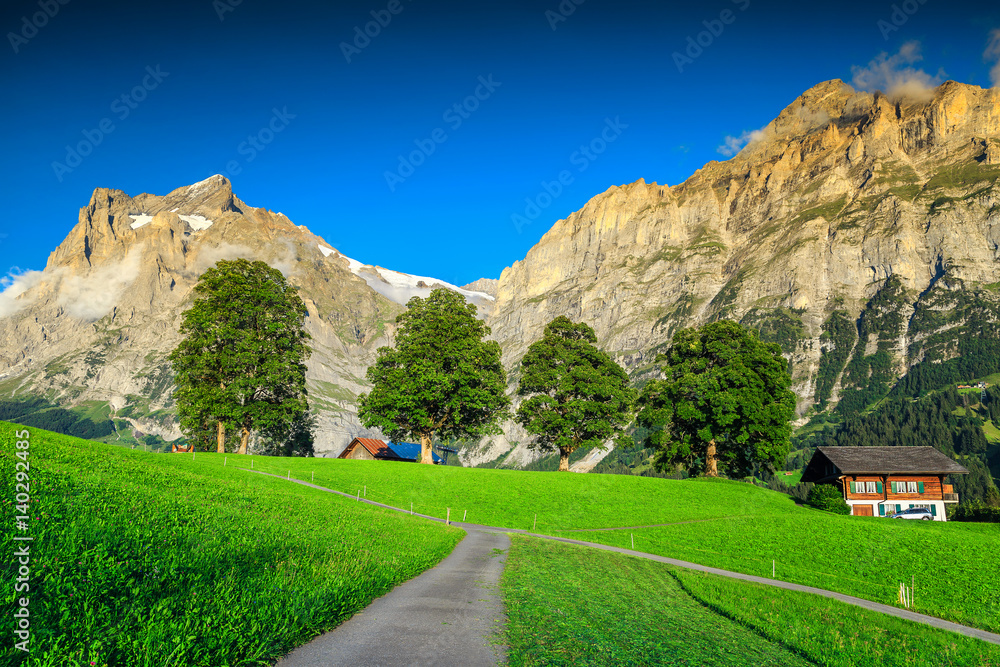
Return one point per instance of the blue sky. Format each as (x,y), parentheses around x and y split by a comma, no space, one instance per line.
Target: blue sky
(535,82)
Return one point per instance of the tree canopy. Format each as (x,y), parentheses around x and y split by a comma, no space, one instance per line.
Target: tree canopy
(441,379)
(241,364)
(724,399)
(577,396)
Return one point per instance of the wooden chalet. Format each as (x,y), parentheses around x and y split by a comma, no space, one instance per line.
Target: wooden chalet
(371,449)
(879,481)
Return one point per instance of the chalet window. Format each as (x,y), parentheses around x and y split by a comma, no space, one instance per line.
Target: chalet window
(870,487)
(911,487)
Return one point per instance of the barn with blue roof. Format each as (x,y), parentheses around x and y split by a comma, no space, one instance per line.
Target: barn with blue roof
(372,449)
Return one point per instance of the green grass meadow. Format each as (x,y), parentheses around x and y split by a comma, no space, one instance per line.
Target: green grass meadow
(173,559)
(633,613)
(513,499)
(155,560)
(572,605)
(730,525)
(859,556)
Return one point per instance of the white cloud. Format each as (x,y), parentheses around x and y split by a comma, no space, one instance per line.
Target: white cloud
(894,75)
(734,145)
(283,257)
(992,53)
(15,284)
(210,256)
(92,296)
(812,117)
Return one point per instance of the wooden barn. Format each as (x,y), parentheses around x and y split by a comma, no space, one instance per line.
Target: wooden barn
(371,449)
(879,481)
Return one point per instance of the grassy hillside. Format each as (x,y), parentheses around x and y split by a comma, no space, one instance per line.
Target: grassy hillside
(634,612)
(154,559)
(864,557)
(570,605)
(733,525)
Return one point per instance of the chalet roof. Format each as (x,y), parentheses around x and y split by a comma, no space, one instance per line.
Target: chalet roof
(885,460)
(377,448)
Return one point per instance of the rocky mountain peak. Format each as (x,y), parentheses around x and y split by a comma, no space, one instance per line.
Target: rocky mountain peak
(844,200)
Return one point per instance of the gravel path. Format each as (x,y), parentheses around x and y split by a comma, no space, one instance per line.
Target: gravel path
(408,635)
(449,615)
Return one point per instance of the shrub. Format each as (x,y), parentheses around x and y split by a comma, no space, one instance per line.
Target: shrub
(829,498)
(976,511)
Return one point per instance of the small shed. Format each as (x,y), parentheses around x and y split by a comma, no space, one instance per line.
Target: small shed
(372,449)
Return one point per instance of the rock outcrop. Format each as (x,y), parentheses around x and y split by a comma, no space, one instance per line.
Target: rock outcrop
(99,324)
(845,197)
(860,233)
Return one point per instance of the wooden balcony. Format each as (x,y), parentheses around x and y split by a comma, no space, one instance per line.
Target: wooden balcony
(948,491)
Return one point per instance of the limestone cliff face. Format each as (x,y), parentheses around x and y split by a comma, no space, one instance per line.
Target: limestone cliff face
(848,201)
(104,315)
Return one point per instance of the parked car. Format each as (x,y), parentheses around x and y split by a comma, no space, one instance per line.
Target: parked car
(914,513)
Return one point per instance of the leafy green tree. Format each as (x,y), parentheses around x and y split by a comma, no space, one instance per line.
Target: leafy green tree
(829,498)
(289,439)
(241,364)
(442,379)
(725,399)
(576,395)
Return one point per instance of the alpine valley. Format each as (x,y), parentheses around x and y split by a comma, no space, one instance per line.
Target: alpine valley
(860,232)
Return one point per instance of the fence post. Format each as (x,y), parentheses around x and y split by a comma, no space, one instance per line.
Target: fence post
(447,518)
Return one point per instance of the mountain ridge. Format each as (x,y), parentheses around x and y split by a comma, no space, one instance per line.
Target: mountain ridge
(859,232)
(843,193)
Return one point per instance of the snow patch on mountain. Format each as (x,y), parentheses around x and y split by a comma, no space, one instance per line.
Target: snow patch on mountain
(401,287)
(140,220)
(197,222)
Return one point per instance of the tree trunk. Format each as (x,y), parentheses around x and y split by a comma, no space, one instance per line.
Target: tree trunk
(244,440)
(221,438)
(426,453)
(711,463)
(563,460)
